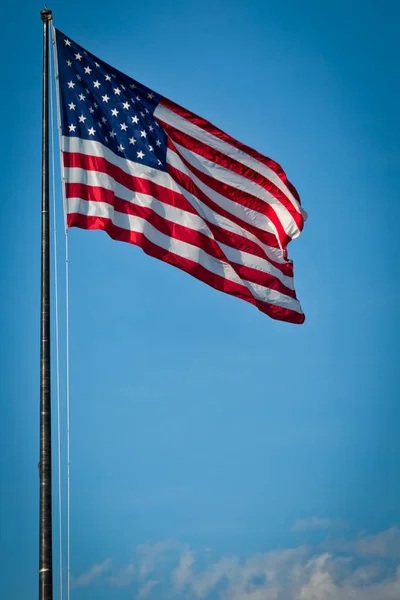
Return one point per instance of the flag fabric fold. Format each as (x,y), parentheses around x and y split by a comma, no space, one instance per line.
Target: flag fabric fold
(153,174)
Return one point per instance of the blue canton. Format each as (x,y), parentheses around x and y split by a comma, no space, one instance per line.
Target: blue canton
(101,104)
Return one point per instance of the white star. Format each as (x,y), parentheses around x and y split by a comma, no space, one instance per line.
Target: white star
(124,127)
(96,63)
(112,133)
(91,110)
(157,124)
(91,131)
(71,84)
(71,106)
(82,97)
(88,70)
(159,162)
(151,148)
(151,96)
(104,119)
(105,98)
(87,90)
(72,127)
(158,143)
(67,42)
(151,128)
(108,78)
(143,134)
(140,154)
(132,140)
(69,63)
(113,75)
(82,119)
(78,77)
(138,98)
(121,148)
(135,119)
(100,124)
(126,105)
(142,113)
(123,87)
(106,139)
(146,111)
(96,84)
(132,85)
(78,56)
(114,112)
(117,91)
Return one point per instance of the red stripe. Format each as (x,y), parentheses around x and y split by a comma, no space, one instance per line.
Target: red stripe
(203,124)
(236,166)
(194,269)
(176,231)
(239,196)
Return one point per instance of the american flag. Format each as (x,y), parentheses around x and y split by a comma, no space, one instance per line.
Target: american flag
(153,174)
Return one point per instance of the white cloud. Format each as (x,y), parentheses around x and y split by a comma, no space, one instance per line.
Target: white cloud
(318,582)
(151,556)
(92,575)
(366,567)
(385,543)
(224,570)
(292,575)
(123,577)
(183,572)
(146,588)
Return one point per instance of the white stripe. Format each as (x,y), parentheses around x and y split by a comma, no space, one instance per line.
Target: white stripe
(182,249)
(171,118)
(170,213)
(243,184)
(92,148)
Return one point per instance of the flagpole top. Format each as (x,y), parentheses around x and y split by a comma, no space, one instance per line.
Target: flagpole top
(46,14)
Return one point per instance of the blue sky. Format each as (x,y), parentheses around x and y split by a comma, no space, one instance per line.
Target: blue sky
(209,444)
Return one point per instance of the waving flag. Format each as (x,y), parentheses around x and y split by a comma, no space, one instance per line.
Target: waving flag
(153,174)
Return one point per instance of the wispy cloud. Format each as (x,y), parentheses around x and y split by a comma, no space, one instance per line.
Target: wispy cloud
(385,543)
(183,572)
(94,574)
(147,588)
(152,556)
(289,574)
(124,576)
(366,567)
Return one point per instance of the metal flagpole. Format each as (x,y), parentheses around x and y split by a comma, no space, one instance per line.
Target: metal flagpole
(45,523)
